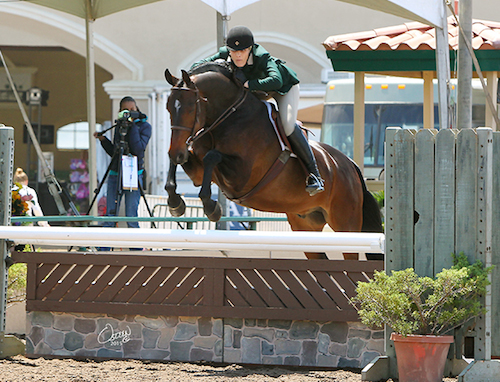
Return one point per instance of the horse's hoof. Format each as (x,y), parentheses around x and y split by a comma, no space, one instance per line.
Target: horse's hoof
(216,214)
(178,210)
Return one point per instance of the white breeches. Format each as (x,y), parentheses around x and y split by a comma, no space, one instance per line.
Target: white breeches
(288,105)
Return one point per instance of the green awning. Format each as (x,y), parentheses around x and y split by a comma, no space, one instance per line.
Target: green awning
(403,60)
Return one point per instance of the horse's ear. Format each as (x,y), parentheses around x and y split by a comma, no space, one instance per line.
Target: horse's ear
(170,78)
(187,79)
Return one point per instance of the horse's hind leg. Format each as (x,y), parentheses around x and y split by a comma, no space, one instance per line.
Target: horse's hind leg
(314,221)
(211,208)
(176,204)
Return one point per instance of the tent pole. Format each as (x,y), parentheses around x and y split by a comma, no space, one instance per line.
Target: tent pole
(91,107)
(443,72)
(464,86)
(221,198)
(221,29)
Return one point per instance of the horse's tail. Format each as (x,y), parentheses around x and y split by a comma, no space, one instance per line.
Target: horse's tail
(372,219)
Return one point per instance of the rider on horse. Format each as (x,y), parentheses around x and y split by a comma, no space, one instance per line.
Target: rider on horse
(259,71)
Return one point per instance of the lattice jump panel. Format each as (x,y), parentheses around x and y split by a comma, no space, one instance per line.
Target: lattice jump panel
(291,289)
(210,287)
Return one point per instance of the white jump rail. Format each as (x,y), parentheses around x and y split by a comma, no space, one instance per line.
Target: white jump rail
(209,240)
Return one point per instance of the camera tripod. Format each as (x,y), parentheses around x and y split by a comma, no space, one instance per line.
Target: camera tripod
(121,150)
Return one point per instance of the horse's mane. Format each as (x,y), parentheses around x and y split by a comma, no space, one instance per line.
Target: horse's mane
(222,67)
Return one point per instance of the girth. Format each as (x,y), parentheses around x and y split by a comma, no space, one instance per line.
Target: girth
(270,175)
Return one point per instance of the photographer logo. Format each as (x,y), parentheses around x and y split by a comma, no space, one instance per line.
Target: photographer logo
(108,335)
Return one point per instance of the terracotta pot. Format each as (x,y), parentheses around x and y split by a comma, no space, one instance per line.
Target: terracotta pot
(421,358)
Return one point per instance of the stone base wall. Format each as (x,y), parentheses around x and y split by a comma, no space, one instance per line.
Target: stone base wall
(271,342)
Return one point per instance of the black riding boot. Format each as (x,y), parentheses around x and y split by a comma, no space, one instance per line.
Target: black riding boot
(301,148)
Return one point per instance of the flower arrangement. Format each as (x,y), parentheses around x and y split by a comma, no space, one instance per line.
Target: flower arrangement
(20,205)
(413,305)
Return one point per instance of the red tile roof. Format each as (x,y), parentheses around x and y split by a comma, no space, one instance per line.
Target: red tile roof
(415,36)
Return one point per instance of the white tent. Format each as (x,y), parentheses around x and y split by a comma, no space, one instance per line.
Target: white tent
(90,10)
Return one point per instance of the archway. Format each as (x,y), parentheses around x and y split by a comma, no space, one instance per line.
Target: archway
(310,57)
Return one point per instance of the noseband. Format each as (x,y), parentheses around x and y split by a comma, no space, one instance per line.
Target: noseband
(204,130)
(197,116)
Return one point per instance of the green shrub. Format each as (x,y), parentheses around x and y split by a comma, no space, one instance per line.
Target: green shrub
(379,197)
(16,283)
(410,304)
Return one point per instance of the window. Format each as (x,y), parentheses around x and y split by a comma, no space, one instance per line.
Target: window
(74,136)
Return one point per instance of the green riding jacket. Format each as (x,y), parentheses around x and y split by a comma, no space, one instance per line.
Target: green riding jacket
(263,71)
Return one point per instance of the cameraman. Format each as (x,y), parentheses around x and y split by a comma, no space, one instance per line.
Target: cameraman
(136,138)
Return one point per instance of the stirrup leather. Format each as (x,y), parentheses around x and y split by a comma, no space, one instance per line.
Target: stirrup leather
(314,184)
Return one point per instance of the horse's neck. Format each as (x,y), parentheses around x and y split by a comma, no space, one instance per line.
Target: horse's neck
(221,95)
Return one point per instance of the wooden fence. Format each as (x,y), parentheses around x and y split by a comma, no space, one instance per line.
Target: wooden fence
(193,286)
(441,197)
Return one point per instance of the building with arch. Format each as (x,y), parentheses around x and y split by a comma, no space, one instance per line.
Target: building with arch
(45,48)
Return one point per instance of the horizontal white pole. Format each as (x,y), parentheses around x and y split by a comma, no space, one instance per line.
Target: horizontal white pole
(208,246)
(195,239)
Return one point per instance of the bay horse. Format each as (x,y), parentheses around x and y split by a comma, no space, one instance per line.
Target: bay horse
(222,132)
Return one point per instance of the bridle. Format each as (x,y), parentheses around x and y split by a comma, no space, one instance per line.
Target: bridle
(197,119)
(194,136)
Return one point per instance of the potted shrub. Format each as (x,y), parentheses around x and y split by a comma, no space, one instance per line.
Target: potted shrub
(421,311)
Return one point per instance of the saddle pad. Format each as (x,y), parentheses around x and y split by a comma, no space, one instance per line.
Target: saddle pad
(278,127)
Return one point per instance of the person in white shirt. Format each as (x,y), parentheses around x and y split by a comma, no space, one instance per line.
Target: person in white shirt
(20,177)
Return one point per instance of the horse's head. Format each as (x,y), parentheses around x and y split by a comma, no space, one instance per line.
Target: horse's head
(187,115)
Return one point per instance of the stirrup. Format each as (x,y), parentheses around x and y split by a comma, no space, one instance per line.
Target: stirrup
(314,184)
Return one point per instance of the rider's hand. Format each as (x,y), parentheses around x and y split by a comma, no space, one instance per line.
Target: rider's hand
(245,85)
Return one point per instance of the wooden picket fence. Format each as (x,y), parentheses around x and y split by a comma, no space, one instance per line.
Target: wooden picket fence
(442,197)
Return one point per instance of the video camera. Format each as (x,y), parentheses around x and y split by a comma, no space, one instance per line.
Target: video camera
(129,116)
(126,118)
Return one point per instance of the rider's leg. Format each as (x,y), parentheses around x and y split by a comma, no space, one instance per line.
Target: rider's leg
(301,148)
(288,106)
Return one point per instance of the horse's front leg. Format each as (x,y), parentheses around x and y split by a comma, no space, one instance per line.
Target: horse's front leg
(211,208)
(176,204)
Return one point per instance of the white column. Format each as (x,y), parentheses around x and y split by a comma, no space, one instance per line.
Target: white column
(150,100)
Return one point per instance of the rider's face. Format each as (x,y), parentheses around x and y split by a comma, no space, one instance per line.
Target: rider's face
(240,57)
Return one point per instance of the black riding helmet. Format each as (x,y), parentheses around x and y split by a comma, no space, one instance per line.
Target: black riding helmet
(239,38)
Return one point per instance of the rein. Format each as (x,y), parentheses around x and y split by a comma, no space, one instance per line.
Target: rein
(204,130)
(225,115)
(275,168)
